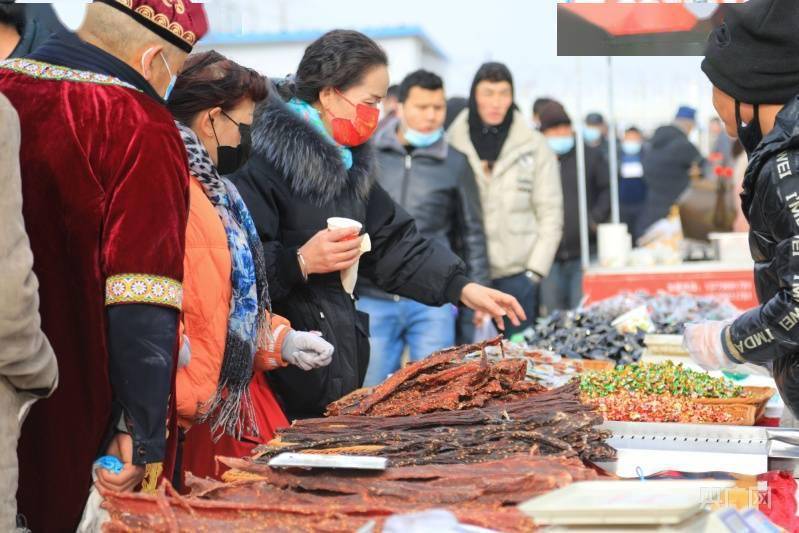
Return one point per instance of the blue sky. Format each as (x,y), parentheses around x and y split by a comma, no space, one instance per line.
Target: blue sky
(521,33)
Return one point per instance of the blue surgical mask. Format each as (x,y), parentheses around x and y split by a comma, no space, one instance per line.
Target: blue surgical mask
(173,78)
(423,140)
(631,147)
(561,145)
(591,134)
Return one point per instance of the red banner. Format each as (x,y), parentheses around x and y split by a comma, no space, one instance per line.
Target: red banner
(736,286)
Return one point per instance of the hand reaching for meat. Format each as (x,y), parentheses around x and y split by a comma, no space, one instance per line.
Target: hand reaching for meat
(494,303)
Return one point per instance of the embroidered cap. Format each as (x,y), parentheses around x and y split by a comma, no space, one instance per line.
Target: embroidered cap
(181,22)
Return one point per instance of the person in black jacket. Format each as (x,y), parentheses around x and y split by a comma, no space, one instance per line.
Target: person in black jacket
(595,133)
(435,184)
(756,98)
(667,164)
(563,287)
(310,161)
(632,185)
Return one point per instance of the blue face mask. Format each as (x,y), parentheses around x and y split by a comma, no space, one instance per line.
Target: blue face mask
(423,140)
(561,145)
(172,79)
(631,147)
(591,134)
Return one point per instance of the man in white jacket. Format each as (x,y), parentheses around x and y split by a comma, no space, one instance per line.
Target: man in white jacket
(28,368)
(520,188)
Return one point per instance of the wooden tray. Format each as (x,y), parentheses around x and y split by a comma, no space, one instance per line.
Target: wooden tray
(579,365)
(743,415)
(590,365)
(758,397)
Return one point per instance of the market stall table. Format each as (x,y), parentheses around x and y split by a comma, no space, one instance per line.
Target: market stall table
(471,431)
(731,281)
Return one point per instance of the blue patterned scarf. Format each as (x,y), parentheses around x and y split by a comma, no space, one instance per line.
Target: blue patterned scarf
(309,113)
(230,410)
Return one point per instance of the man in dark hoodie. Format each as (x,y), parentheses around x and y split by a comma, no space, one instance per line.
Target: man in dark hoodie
(563,287)
(667,164)
(752,62)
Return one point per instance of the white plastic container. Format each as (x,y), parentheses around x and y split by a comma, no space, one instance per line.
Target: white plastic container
(623,502)
(614,245)
(731,247)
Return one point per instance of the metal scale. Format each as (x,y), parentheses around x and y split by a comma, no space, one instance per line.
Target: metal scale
(648,448)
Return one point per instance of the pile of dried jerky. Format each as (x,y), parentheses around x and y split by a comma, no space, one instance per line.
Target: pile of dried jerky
(553,422)
(259,498)
(442,382)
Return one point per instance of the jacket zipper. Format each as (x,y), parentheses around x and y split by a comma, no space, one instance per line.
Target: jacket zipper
(405,179)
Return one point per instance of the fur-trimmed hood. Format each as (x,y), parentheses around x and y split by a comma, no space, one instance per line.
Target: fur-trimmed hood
(306,160)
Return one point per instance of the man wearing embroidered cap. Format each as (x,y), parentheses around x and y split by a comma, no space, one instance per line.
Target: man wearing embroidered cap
(104,178)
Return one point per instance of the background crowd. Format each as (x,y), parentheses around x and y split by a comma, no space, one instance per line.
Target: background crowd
(191,289)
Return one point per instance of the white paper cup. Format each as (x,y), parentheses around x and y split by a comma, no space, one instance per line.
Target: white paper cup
(334,223)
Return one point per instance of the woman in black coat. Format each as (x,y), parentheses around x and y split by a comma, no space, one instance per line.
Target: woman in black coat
(309,162)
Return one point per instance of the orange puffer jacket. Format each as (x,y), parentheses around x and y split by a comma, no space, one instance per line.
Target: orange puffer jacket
(206,306)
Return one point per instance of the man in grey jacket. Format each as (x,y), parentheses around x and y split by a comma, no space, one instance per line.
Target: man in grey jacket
(436,185)
(28,367)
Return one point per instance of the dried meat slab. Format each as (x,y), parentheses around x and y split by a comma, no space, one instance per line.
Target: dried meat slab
(143,513)
(260,505)
(552,422)
(484,494)
(442,381)
(502,482)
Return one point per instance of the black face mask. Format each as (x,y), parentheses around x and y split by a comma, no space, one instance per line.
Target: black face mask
(749,135)
(232,158)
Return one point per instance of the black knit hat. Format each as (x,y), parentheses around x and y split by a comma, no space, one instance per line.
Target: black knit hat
(754,55)
(553,115)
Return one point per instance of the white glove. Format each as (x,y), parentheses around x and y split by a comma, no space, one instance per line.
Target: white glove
(184,355)
(306,350)
(703,342)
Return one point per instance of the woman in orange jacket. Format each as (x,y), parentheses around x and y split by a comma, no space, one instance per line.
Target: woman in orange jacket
(225,404)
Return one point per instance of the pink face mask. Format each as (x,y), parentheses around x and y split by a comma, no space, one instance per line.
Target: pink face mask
(355,132)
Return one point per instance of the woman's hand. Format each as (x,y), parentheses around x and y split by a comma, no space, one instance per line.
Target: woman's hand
(306,350)
(494,303)
(331,251)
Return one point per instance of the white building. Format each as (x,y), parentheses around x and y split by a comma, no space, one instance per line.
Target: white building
(278,54)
